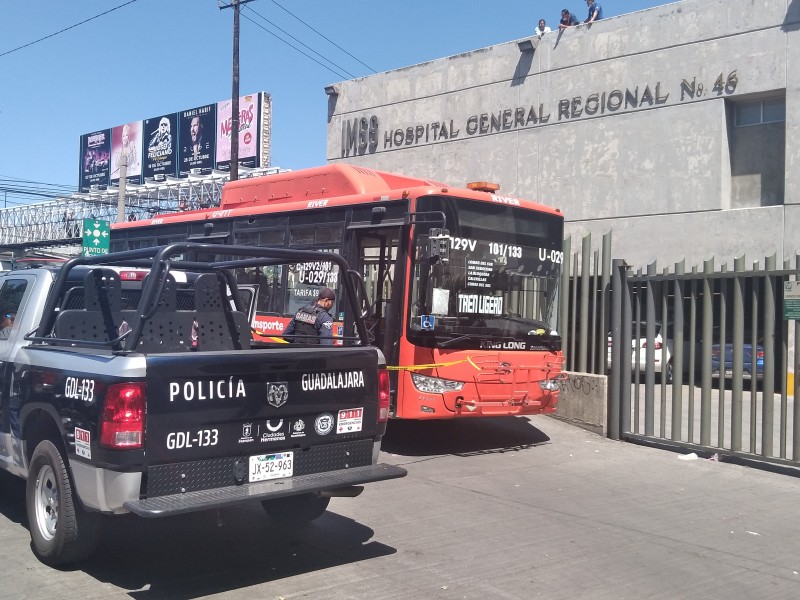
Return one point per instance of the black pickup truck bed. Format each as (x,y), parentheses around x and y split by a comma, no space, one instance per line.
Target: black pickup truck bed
(160,410)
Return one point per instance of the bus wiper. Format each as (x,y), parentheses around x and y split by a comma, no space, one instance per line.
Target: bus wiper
(466,336)
(535,324)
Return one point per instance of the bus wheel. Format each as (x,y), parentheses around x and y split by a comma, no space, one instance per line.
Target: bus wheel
(61,531)
(296,510)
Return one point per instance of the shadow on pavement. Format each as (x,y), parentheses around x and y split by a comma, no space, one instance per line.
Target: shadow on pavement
(191,555)
(12,498)
(461,437)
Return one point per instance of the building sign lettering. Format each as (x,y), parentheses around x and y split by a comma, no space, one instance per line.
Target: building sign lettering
(364,135)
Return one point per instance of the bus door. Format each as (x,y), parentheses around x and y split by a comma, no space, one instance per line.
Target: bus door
(375,256)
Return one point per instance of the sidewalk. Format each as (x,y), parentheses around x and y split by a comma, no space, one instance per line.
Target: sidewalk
(505,508)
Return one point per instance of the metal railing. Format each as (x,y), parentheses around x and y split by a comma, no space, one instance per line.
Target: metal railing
(58,222)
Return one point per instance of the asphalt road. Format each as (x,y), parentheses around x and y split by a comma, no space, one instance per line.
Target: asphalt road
(500,508)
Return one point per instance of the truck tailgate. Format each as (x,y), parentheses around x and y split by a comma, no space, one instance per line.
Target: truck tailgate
(309,411)
(214,404)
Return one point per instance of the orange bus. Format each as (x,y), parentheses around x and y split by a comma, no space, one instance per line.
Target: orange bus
(460,284)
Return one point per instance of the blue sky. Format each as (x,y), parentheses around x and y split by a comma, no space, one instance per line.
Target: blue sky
(151,57)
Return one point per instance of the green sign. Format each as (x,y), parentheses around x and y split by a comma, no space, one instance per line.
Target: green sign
(96,237)
(791,300)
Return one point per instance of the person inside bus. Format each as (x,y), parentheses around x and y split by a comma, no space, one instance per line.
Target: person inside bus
(313,324)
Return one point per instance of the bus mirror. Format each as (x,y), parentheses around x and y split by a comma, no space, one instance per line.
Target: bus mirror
(439,246)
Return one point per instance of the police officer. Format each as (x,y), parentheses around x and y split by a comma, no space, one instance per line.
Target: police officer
(313,324)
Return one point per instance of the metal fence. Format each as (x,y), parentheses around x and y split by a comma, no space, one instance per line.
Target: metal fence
(700,360)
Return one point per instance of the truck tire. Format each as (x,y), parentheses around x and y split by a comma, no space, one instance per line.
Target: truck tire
(61,530)
(296,510)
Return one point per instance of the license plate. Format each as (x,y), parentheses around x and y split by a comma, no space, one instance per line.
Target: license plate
(271,466)
(728,372)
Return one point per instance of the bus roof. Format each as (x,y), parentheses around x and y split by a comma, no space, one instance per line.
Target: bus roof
(336,180)
(335,184)
(327,181)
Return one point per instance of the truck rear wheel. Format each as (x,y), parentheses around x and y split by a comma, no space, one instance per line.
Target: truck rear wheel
(296,510)
(61,531)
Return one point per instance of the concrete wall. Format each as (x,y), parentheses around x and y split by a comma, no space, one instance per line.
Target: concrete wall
(582,402)
(624,126)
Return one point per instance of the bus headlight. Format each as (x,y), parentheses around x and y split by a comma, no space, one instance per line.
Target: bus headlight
(434,385)
(549,385)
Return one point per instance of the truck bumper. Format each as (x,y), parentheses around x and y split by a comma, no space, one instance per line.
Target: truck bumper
(163,506)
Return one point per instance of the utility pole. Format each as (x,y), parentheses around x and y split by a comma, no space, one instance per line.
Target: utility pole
(123,174)
(235,4)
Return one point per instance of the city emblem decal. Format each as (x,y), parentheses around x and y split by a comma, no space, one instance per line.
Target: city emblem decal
(278,393)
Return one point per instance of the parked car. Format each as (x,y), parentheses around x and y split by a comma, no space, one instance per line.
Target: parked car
(726,369)
(661,352)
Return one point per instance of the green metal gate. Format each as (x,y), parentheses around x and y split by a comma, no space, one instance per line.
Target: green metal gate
(699,361)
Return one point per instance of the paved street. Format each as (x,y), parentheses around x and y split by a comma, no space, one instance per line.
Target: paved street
(501,508)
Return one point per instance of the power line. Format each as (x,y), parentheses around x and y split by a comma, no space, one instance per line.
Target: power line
(24,191)
(321,35)
(66,28)
(294,47)
(301,43)
(9,179)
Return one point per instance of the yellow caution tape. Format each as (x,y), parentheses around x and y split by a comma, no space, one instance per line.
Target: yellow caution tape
(433,366)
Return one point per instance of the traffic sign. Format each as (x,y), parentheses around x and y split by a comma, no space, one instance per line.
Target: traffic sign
(96,237)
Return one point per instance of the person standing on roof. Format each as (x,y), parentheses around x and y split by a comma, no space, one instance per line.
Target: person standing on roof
(313,324)
(541,28)
(595,11)
(567,20)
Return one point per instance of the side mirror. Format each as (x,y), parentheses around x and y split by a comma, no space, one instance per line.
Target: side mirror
(439,246)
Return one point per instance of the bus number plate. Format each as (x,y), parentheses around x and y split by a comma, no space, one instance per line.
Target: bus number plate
(271,466)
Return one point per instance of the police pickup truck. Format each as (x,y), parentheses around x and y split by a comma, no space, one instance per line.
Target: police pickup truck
(129,383)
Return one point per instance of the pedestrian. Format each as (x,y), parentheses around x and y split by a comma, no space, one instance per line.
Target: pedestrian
(541,28)
(313,324)
(567,20)
(595,11)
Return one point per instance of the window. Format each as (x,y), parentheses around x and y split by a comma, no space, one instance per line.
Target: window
(758,113)
(308,235)
(757,147)
(10,300)
(263,238)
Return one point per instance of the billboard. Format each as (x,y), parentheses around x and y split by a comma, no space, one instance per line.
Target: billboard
(197,129)
(161,147)
(126,141)
(177,144)
(95,158)
(249,123)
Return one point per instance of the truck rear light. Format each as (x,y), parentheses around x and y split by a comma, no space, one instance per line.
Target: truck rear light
(132,275)
(384,395)
(122,422)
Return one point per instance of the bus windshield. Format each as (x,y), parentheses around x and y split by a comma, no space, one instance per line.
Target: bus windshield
(499,286)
